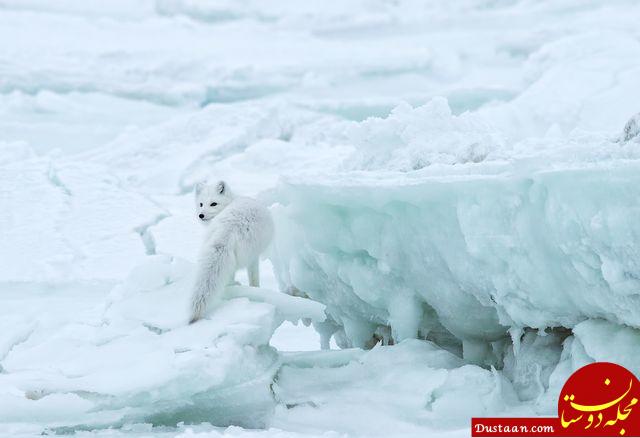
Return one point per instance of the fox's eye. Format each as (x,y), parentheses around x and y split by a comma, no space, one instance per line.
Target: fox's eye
(213,204)
(201,204)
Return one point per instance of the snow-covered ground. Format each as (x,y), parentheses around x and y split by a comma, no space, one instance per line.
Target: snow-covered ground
(451,177)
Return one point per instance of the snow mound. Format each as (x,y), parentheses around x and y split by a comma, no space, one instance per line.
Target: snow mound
(413,138)
(136,360)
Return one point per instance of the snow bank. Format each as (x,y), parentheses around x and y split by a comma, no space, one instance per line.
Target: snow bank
(135,359)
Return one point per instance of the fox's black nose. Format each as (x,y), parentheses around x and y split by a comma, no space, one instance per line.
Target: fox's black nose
(201,216)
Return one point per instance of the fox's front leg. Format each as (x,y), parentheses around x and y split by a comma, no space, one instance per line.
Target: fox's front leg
(233,281)
(253,272)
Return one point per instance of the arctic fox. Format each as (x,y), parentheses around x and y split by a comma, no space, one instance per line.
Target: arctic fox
(239,229)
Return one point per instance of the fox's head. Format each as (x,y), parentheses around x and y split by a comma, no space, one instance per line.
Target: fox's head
(211,199)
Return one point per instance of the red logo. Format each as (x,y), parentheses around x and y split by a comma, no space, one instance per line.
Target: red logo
(601,399)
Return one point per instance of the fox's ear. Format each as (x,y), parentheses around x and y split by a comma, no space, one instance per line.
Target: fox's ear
(200,186)
(221,187)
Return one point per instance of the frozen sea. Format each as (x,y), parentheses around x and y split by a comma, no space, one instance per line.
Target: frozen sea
(456,172)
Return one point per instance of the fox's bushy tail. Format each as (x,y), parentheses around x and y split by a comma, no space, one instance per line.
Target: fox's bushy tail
(215,269)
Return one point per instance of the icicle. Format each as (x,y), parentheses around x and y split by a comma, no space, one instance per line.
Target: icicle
(516,337)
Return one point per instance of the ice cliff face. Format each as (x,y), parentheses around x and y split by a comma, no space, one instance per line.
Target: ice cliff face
(544,250)
(488,259)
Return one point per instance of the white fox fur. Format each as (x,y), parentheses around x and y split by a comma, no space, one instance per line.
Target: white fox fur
(239,229)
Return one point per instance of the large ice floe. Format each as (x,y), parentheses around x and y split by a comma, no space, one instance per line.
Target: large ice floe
(510,257)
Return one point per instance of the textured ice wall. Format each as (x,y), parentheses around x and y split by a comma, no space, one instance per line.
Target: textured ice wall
(485,252)
(496,261)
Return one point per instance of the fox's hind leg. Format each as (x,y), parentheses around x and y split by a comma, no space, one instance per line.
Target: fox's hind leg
(253,272)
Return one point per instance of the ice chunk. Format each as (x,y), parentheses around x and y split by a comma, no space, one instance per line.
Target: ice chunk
(485,252)
(530,366)
(605,341)
(137,359)
(573,356)
(407,388)
(290,308)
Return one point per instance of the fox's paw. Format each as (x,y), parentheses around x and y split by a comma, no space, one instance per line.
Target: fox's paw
(195,317)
